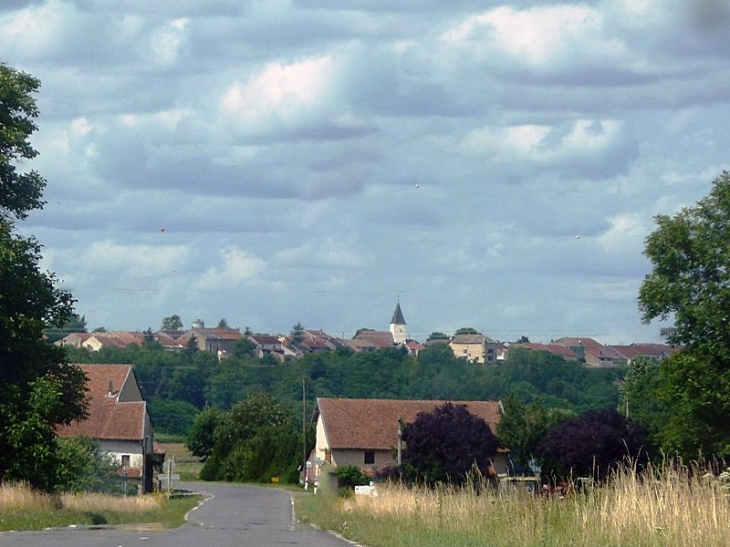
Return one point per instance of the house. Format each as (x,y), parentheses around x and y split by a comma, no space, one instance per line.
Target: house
(95,341)
(556,349)
(653,352)
(364,432)
(216,340)
(371,340)
(476,348)
(118,420)
(593,353)
(265,344)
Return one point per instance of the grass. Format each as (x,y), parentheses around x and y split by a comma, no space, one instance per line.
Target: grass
(186,465)
(665,508)
(22,508)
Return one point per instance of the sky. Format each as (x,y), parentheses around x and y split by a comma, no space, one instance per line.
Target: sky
(495,165)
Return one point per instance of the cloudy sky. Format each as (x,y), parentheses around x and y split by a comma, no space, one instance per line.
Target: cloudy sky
(494,165)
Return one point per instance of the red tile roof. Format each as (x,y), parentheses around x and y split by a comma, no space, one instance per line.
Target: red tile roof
(108,418)
(373,423)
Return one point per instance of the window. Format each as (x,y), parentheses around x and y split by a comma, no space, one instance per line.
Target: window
(369,457)
(125,460)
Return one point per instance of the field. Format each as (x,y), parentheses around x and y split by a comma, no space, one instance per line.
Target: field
(666,508)
(185,464)
(24,509)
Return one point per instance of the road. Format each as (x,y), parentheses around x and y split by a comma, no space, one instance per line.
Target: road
(233,515)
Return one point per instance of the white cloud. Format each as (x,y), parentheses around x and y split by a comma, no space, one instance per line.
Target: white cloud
(542,38)
(236,267)
(167,42)
(280,144)
(282,96)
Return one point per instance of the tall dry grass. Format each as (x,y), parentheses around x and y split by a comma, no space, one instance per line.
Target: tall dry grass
(668,506)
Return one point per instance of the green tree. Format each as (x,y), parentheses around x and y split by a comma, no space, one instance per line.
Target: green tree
(297,334)
(437,336)
(465,330)
(172,323)
(690,285)
(83,467)
(223,324)
(173,417)
(20,192)
(641,400)
(202,435)
(39,389)
(257,439)
(522,427)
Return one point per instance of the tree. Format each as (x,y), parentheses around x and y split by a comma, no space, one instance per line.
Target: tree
(297,334)
(446,445)
(437,336)
(257,439)
(172,323)
(39,389)
(465,330)
(83,467)
(641,400)
(201,438)
(20,193)
(223,324)
(522,427)
(690,284)
(591,445)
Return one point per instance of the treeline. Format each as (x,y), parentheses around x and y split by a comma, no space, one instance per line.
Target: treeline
(178,386)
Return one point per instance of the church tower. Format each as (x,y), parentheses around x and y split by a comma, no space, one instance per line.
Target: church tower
(398,326)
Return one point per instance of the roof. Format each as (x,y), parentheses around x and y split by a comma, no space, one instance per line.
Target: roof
(471,339)
(648,350)
(373,423)
(397,316)
(108,418)
(212,334)
(556,349)
(378,338)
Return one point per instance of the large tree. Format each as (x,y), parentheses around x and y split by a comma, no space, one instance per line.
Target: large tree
(38,388)
(690,285)
(591,445)
(446,445)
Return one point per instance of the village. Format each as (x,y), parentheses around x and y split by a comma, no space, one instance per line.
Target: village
(119,419)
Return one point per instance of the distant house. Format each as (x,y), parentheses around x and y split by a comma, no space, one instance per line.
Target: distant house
(371,340)
(215,340)
(653,352)
(95,341)
(265,344)
(364,432)
(593,353)
(118,420)
(476,348)
(556,349)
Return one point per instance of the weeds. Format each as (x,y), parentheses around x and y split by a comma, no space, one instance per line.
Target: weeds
(668,506)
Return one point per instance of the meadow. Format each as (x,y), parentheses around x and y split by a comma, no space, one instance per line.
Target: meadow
(664,507)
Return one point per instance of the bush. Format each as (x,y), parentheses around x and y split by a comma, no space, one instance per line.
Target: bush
(350,476)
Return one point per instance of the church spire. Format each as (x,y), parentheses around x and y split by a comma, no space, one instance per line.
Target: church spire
(398,326)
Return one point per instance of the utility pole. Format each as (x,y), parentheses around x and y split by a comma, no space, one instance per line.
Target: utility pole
(304,431)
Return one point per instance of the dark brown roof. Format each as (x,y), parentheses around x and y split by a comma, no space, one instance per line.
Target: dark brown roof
(555,349)
(108,418)
(373,423)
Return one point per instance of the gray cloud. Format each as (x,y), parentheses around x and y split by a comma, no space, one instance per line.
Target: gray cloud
(313,161)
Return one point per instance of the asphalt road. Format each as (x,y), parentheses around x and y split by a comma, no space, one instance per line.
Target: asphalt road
(233,515)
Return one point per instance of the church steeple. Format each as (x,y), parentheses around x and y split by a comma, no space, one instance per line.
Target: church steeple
(398,326)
